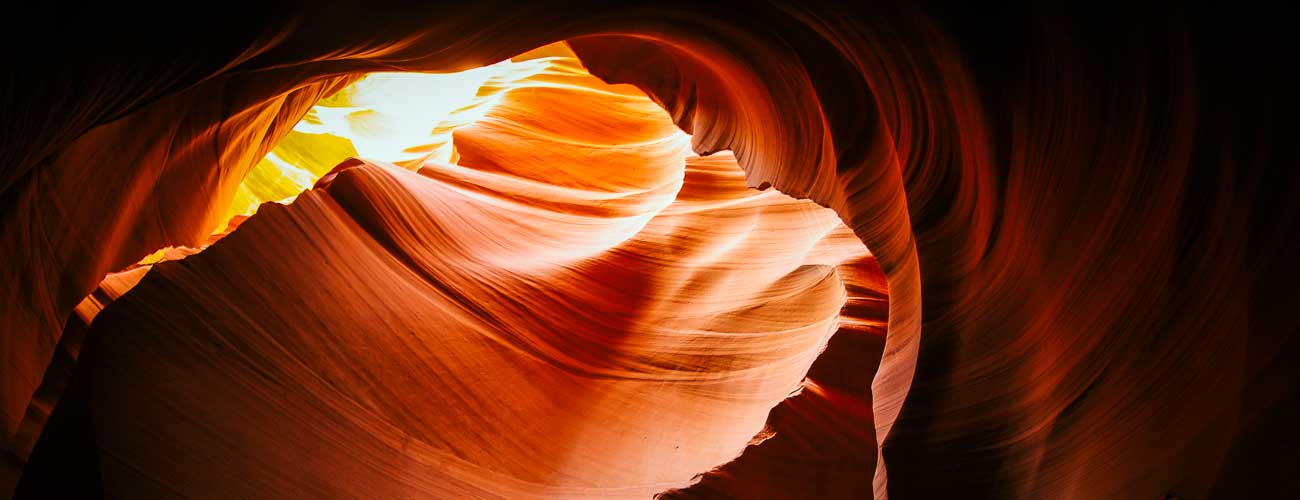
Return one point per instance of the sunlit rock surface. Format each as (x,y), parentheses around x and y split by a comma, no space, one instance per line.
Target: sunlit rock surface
(581,307)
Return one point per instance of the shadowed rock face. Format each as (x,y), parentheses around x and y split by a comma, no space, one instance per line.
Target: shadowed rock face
(1079,283)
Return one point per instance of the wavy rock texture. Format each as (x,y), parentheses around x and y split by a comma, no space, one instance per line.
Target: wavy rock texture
(576,309)
(1086,226)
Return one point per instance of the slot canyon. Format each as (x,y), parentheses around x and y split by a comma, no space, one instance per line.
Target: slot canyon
(674,250)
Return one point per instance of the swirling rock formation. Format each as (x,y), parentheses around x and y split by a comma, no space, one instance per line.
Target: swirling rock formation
(578,307)
(1085,226)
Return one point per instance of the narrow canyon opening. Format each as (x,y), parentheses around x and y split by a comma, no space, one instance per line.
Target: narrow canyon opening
(514,281)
